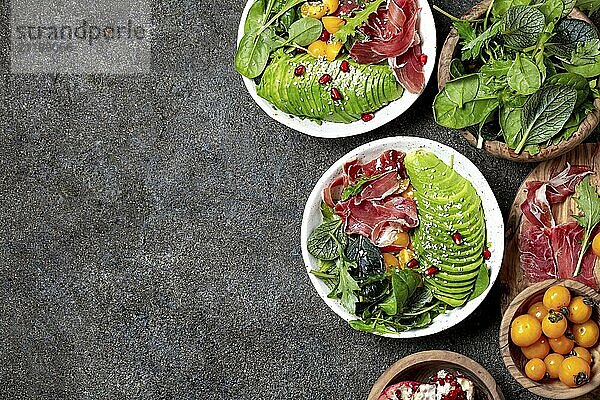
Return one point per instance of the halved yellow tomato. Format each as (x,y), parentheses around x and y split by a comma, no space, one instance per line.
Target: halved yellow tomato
(332,24)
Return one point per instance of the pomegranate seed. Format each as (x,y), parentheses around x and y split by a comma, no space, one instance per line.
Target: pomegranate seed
(431,271)
(345,66)
(457,237)
(487,254)
(335,94)
(299,71)
(423,59)
(413,263)
(324,35)
(300,51)
(326,78)
(367,117)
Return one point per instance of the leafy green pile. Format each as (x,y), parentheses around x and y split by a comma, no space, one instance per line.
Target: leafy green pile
(273,25)
(528,73)
(385,301)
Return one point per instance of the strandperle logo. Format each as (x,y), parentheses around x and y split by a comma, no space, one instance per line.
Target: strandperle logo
(80,36)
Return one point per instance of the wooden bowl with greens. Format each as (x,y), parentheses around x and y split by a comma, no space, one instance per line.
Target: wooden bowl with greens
(521,81)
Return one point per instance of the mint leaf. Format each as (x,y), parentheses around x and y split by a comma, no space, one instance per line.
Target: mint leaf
(349,28)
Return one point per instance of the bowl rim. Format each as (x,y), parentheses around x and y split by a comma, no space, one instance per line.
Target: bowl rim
(493,216)
(524,296)
(498,148)
(434,355)
(386,114)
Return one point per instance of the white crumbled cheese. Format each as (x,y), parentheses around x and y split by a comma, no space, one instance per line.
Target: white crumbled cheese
(468,387)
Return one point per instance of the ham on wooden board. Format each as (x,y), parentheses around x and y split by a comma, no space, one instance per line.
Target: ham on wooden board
(391,33)
(378,212)
(548,250)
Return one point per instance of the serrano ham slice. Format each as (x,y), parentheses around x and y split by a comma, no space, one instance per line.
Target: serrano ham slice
(548,250)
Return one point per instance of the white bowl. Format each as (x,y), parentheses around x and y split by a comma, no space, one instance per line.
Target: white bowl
(494,223)
(382,117)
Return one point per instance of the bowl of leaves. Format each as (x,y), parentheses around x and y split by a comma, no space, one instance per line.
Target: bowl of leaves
(520,79)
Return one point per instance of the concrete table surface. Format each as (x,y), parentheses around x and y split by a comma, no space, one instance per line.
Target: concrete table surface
(149,235)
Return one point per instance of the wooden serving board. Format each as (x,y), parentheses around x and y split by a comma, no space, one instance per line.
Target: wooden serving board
(512,278)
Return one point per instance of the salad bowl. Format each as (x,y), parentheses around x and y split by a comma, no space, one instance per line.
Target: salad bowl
(325,129)
(494,226)
(498,148)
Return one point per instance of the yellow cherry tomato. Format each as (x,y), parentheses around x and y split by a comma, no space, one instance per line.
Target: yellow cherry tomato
(580,310)
(390,260)
(557,297)
(525,330)
(554,325)
(313,9)
(539,349)
(535,369)
(405,256)
(402,239)
(333,49)
(332,24)
(561,345)
(332,6)
(586,334)
(538,310)
(596,245)
(582,353)
(574,372)
(317,49)
(553,362)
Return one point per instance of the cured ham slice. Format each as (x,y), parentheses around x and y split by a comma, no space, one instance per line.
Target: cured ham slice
(377,212)
(378,220)
(391,34)
(548,250)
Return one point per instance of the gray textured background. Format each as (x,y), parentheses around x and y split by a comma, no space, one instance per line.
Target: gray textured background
(149,234)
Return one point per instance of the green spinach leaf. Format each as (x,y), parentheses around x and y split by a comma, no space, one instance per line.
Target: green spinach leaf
(522,26)
(256,17)
(552,9)
(252,55)
(586,53)
(545,113)
(500,7)
(404,284)
(305,31)
(524,76)
(510,124)
(323,241)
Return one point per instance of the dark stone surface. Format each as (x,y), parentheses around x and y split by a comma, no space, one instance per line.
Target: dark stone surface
(149,235)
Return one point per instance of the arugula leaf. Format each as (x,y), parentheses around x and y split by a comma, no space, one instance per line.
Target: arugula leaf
(465,30)
(472,49)
(349,28)
(522,26)
(545,113)
(323,241)
(524,76)
(366,255)
(345,290)
(353,190)
(588,201)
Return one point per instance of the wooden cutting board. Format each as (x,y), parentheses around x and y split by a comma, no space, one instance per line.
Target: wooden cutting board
(512,278)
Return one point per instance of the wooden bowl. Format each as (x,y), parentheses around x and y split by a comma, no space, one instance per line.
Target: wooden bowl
(514,359)
(497,148)
(421,366)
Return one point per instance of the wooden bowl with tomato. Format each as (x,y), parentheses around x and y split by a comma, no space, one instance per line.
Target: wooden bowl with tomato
(564,374)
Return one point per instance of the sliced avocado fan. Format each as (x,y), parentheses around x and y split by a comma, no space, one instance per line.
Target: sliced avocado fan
(363,89)
(447,203)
